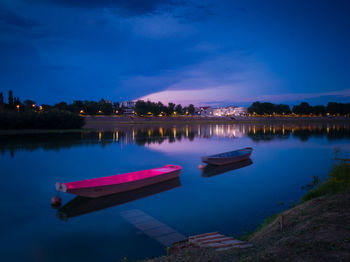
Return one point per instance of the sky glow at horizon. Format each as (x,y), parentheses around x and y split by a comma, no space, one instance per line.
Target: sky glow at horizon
(201,52)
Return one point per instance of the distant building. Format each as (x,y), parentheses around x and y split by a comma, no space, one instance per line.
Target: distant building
(230,111)
(224,111)
(128,111)
(128,107)
(204,111)
(240,111)
(128,104)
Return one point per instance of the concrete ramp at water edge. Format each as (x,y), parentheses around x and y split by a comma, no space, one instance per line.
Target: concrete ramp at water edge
(152,227)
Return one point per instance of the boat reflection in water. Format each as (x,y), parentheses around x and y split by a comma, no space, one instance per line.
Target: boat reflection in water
(84,205)
(212,170)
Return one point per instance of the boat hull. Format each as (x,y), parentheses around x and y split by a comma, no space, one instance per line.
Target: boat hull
(83,205)
(213,170)
(214,160)
(98,190)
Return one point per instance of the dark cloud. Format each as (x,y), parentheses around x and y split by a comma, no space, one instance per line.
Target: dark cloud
(125,7)
(184,10)
(11,18)
(193,12)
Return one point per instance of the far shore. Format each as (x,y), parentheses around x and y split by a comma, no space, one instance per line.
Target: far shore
(110,121)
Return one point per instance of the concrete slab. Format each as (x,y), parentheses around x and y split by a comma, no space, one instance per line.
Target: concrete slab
(171,238)
(159,231)
(152,227)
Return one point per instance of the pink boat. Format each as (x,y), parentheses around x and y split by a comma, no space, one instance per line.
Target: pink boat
(104,186)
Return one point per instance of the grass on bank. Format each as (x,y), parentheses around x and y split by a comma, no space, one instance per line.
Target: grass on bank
(338,181)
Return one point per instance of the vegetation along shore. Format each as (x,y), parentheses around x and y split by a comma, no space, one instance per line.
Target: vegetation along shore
(28,115)
(317,229)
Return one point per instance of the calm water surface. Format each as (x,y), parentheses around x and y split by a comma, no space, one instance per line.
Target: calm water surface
(231,200)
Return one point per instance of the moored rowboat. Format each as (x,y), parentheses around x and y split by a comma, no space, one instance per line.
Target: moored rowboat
(103,186)
(228,157)
(84,205)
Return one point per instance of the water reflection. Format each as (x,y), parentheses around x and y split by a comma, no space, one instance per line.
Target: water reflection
(83,205)
(211,170)
(158,134)
(245,195)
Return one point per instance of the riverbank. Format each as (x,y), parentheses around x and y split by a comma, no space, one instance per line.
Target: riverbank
(111,121)
(315,230)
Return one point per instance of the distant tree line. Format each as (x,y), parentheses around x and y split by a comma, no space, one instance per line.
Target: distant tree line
(102,107)
(27,115)
(78,106)
(303,108)
(151,108)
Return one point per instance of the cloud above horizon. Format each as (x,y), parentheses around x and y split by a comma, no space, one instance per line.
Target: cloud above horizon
(204,97)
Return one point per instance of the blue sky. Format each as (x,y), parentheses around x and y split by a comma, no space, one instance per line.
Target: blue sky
(201,52)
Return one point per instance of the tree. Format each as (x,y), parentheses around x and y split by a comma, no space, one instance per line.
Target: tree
(76,106)
(178,109)
(319,110)
(170,109)
(303,109)
(29,104)
(10,98)
(90,107)
(141,107)
(158,108)
(185,110)
(338,108)
(116,108)
(282,109)
(62,106)
(191,109)
(1,98)
(106,108)
(46,107)
(255,108)
(268,108)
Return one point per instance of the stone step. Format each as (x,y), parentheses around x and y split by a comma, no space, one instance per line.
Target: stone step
(198,240)
(203,235)
(217,241)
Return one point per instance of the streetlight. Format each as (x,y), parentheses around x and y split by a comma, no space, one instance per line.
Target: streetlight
(17,108)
